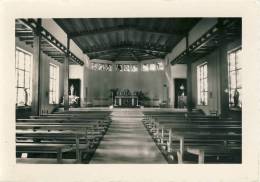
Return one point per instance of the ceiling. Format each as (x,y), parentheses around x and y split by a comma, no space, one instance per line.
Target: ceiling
(25,31)
(126,39)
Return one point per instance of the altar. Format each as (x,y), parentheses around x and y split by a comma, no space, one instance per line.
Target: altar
(126,101)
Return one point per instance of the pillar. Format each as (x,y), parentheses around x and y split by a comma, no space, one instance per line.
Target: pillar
(66,77)
(223,75)
(189,77)
(36,102)
(189,87)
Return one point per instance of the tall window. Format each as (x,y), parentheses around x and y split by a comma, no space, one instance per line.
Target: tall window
(53,84)
(234,70)
(23,69)
(202,80)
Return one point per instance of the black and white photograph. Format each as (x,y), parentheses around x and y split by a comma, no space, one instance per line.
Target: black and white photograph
(128,90)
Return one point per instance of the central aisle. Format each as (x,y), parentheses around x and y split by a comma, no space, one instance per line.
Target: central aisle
(127,142)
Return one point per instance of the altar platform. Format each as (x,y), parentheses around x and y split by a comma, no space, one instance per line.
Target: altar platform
(127,109)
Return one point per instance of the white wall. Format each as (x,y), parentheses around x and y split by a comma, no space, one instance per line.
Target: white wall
(201,28)
(59,34)
(195,33)
(180,71)
(77,72)
(176,71)
(100,83)
(51,26)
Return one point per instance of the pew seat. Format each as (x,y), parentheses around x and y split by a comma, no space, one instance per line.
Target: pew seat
(196,137)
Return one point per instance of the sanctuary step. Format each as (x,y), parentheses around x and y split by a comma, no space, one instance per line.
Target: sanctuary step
(127,113)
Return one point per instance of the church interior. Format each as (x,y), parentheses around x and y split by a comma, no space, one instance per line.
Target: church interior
(128,90)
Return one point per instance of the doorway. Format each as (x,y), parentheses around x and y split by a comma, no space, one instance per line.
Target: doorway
(180,90)
(74,92)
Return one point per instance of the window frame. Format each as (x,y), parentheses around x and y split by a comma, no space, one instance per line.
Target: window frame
(24,71)
(202,91)
(126,68)
(235,70)
(157,66)
(55,87)
(101,66)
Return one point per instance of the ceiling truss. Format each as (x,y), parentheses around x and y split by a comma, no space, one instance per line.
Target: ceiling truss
(25,29)
(226,30)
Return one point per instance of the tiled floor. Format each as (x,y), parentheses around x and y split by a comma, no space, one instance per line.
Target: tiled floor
(127,142)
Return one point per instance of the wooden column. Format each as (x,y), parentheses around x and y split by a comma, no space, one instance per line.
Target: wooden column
(189,78)
(36,70)
(66,77)
(223,74)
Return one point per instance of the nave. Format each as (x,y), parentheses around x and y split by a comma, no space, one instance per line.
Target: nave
(127,141)
(128,136)
(128,90)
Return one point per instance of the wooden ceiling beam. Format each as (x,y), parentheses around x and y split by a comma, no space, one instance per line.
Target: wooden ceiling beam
(129,45)
(31,24)
(117,55)
(123,28)
(208,42)
(124,48)
(130,54)
(24,34)
(133,55)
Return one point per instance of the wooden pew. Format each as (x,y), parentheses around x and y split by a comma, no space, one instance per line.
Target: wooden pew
(81,134)
(72,116)
(199,136)
(61,124)
(205,130)
(58,149)
(73,138)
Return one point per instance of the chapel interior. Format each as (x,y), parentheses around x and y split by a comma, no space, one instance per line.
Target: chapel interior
(128,90)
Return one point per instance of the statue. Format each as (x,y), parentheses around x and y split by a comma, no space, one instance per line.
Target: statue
(25,96)
(236,98)
(182,90)
(71,89)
